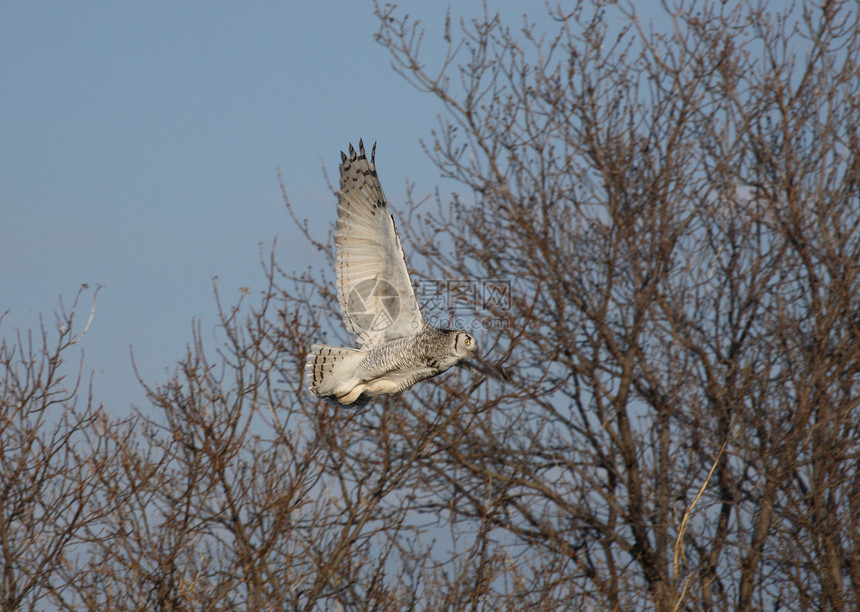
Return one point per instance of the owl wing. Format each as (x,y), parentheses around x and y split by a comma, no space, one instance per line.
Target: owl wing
(373,287)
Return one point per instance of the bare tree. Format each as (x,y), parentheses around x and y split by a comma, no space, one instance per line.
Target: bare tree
(679,208)
(52,463)
(246,502)
(673,207)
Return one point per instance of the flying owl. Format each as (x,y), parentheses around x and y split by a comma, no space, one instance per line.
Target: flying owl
(378,305)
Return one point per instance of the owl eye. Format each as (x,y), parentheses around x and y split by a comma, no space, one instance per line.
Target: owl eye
(468,340)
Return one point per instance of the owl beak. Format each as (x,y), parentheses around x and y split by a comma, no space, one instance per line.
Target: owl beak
(487,369)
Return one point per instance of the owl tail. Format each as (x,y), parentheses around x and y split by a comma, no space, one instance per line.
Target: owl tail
(330,374)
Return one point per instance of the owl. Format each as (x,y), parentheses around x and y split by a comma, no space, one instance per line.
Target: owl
(377,302)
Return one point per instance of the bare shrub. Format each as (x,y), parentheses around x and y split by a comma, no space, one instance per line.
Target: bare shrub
(675,211)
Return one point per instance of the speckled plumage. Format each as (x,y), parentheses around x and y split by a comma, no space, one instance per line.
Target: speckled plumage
(378,305)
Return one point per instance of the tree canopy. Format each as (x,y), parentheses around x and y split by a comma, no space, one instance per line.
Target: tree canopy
(657,229)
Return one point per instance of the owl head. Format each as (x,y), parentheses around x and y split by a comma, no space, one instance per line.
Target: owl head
(464,344)
(465,349)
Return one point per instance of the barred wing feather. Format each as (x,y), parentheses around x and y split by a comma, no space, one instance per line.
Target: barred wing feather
(374,291)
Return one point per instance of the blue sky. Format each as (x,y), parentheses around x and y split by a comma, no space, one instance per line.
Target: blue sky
(140,147)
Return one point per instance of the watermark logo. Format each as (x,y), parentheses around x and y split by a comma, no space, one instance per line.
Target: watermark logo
(374,304)
(466,323)
(465,297)
(458,303)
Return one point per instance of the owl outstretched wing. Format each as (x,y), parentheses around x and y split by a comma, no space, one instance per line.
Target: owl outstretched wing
(374,291)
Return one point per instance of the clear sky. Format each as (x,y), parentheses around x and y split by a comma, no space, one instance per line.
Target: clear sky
(140,147)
